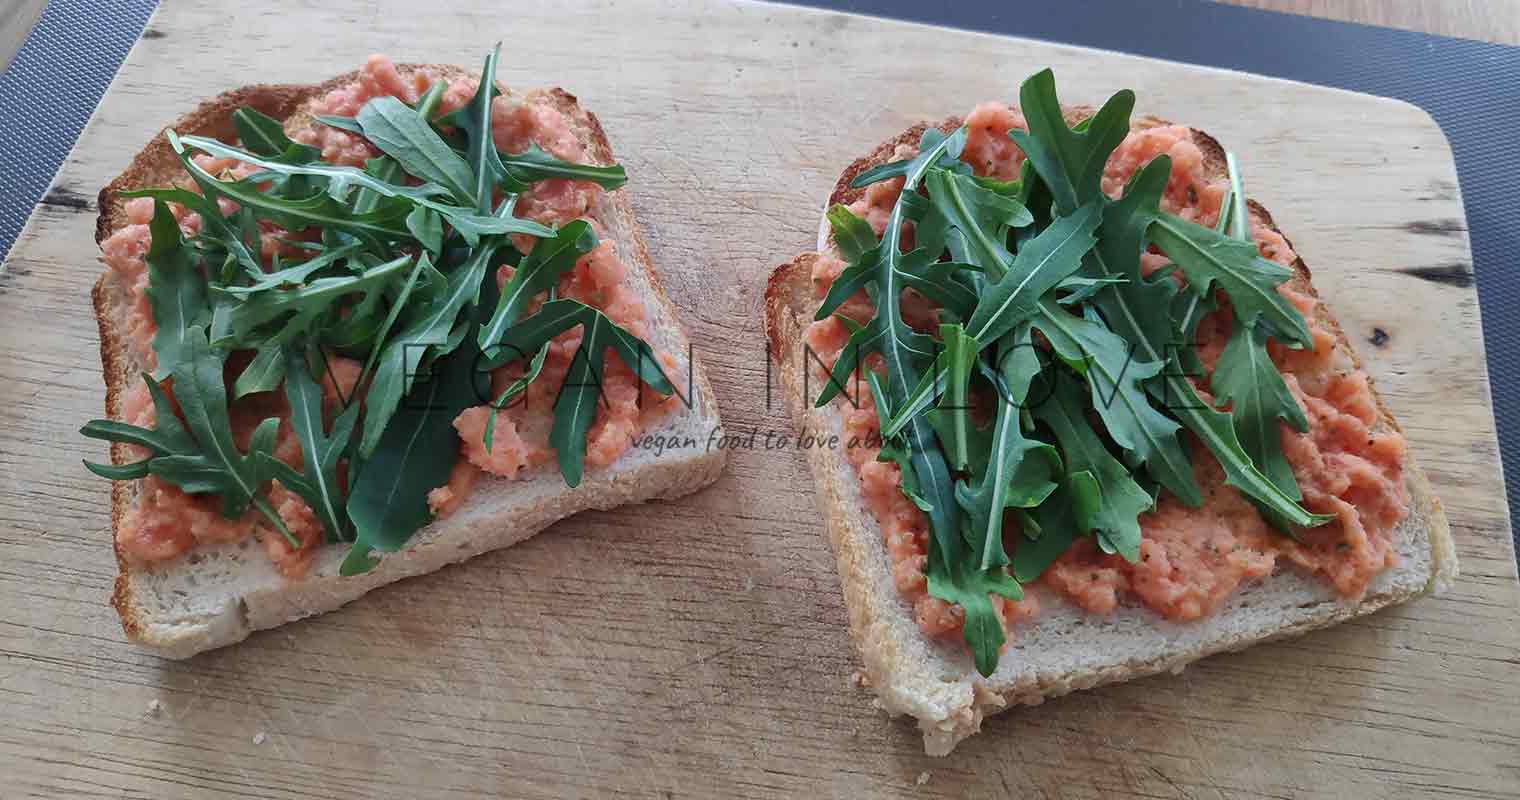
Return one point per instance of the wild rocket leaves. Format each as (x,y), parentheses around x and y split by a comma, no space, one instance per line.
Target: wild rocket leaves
(296,262)
(176,290)
(198,455)
(575,408)
(1040,266)
(1054,391)
(1246,378)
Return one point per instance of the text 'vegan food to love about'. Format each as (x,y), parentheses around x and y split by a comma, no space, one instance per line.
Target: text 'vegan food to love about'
(356,331)
(1097,422)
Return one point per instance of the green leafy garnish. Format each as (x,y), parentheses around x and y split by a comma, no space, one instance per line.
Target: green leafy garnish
(321,449)
(401,134)
(1113,499)
(1018,470)
(1045,313)
(575,408)
(536,274)
(176,290)
(1246,378)
(199,455)
(393,266)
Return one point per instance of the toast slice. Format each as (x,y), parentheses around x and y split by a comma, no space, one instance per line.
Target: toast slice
(218,594)
(1064,648)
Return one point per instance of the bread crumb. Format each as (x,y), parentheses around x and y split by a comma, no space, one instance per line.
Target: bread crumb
(155,707)
(923,778)
(260,737)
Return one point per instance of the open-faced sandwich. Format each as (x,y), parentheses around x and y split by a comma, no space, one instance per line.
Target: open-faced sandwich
(356,331)
(1095,422)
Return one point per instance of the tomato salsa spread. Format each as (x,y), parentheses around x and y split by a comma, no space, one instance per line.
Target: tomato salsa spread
(1191,559)
(165,522)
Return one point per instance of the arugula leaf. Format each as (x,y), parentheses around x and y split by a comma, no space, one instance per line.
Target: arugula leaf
(474,120)
(317,483)
(384,170)
(930,387)
(176,290)
(341,123)
(1246,378)
(1082,290)
(1215,429)
(202,396)
(537,272)
(1040,266)
(426,333)
(293,214)
(534,164)
(1234,215)
(892,448)
(1010,478)
(955,405)
(168,434)
(1116,380)
(1049,530)
(853,236)
(340,181)
(575,408)
(1116,516)
(1070,162)
(305,304)
(414,455)
(215,227)
(937,281)
(935,149)
(399,133)
(426,225)
(515,388)
(295,274)
(266,136)
(198,456)
(983,216)
(1206,257)
(970,588)
(263,374)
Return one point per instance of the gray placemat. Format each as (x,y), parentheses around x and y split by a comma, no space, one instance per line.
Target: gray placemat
(49,91)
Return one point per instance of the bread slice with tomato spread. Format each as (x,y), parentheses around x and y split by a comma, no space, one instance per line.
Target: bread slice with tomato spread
(1063,647)
(218,592)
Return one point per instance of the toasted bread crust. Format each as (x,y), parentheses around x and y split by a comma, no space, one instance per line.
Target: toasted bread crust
(157,165)
(880,625)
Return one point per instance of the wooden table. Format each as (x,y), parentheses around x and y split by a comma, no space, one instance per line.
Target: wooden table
(698,648)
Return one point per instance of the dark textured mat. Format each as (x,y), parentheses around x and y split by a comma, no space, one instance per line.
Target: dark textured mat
(49,91)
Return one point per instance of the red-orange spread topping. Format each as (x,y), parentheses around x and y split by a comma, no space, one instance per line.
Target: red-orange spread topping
(1191,560)
(164,522)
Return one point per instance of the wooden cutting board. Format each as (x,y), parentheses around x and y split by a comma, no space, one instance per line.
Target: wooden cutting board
(698,648)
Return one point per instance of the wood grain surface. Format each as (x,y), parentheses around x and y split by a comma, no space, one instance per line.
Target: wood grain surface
(699,648)
(1484,20)
(16,20)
